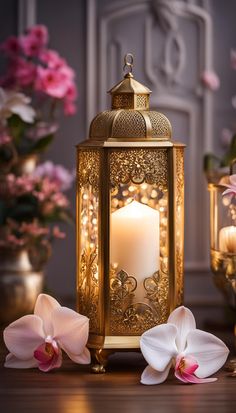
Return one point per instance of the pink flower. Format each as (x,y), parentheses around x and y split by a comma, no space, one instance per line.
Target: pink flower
(33,228)
(194,354)
(11,46)
(57,233)
(39,32)
(185,368)
(233,58)
(210,80)
(226,136)
(229,193)
(52,59)
(55,173)
(51,82)
(4,138)
(22,71)
(30,45)
(69,108)
(37,340)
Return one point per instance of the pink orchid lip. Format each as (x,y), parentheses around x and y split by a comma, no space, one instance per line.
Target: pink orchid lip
(48,354)
(185,368)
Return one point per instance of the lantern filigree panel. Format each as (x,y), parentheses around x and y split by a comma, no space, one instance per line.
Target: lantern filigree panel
(139,279)
(88,236)
(179,223)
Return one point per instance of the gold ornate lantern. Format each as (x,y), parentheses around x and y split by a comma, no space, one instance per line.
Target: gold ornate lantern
(223,241)
(130,217)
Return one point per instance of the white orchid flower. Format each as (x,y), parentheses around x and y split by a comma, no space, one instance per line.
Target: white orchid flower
(15,103)
(36,340)
(194,354)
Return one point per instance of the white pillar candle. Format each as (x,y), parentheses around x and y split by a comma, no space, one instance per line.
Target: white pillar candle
(227,239)
(135,245)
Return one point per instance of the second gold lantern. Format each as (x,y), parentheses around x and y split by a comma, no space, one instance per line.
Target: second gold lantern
(130,218)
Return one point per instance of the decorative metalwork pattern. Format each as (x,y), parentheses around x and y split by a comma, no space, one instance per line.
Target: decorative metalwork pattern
(142,101)
(129,124)
(179,223)
(138,166)
(101,124)
(88,168)
(88,288)
(123,101)
(161,126)
(130,317)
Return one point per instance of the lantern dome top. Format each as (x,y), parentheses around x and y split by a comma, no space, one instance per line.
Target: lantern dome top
(130,117)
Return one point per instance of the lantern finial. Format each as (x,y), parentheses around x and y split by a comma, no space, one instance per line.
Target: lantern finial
(128,64)
(130,94)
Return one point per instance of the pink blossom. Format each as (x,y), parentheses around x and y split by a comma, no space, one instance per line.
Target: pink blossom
(4,138)
(71,93)
(185,367)
(226,136)
(60,200)
(233,58)
(210,80)
(33,228)
(37,340)
(52,59)
(69,108)
(229,193)
(233,100)
(11,46)
(22,71)
(30,45)
(56,173)
(40,32)
(51,82)
(57,233)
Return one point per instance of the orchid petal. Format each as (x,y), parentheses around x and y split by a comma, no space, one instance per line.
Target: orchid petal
(158,346)
(184,320)
(151,376)
(15,363)
(191,378)
(44,307)
(70,330)
(232,179)
(209,351)
(23,336)
(83,358)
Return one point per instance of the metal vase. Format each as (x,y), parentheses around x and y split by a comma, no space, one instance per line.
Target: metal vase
(20,285)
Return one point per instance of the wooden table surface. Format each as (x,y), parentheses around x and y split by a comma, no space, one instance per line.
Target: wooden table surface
(74,389)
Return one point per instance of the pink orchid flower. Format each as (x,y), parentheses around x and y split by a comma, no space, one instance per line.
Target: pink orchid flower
(194,354)
(229,193)
(37,340)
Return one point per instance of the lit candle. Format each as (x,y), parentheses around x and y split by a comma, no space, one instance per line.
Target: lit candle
(227,239)
(135,242)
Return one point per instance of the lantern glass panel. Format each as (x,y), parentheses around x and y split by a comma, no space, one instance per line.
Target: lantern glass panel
(139,276)
(223,220)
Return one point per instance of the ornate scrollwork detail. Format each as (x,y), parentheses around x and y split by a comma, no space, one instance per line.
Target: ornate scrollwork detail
(129,317)
(138,166)
(88,168)
(88,289)
(179,223)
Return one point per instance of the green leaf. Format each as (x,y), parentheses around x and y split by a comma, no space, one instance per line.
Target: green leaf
(231,154)
(210,162)
(42,144)
(16,127)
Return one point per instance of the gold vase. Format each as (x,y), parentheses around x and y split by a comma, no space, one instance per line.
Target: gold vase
(20,284)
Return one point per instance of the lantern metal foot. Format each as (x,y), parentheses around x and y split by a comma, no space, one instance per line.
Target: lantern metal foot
(99,360)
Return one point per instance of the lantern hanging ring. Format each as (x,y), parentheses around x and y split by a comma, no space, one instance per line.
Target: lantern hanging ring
(128,63)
